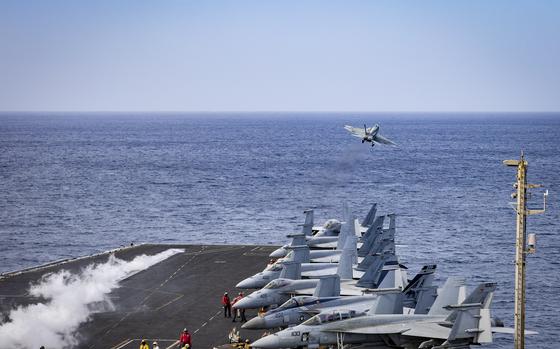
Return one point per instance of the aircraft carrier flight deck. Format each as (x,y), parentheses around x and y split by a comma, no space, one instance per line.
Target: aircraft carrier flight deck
(155,304)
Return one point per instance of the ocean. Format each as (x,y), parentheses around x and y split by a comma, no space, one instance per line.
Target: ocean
(76,184)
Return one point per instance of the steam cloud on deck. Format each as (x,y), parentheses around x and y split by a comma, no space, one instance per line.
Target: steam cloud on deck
(70,301)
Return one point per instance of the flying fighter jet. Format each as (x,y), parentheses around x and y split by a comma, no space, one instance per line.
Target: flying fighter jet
(448,324)
(369,134)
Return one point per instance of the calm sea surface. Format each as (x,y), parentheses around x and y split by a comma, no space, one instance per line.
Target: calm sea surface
(71,185)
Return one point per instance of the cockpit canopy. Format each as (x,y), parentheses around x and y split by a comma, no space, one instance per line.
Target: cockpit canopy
(295,302)
(274,267)
(278,283)
(331,317)
(332,224)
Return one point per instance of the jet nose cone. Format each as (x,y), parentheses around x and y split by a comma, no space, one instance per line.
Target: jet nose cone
(246,284)
(245,303)
(279,253)
(272,341)
(255,323)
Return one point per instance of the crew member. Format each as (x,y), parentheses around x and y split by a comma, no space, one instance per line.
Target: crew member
(239,312)
(185,339)
(144,345)
(227,305)
(155,345)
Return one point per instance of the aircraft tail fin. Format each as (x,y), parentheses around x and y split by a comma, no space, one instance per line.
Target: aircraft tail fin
(307,229)
(291,270)
(448,294)
(298,239)
(389,302)
(419,286)
(471,319)
(367,261)
(347,229)
(368,219)
(372,275)
(328,286)
(482,294)
(371,236)
(345,263)
(299,254)
(390,232)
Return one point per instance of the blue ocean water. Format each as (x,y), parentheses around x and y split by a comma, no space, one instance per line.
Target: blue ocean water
(74,184)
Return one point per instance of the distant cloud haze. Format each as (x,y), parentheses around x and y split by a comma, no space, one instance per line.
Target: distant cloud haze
(277,56)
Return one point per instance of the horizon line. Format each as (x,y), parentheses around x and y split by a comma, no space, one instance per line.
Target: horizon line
(282,111)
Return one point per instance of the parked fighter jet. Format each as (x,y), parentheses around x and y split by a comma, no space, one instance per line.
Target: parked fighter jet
(419,294)
(385,272)
(447,325)
(369,134)
(327,237)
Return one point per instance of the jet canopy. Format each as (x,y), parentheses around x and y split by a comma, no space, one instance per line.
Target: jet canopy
(274,267)
(278,283)
(331,317)
(295,302)
(332,224)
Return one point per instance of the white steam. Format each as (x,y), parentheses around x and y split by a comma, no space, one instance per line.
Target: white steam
(70,299)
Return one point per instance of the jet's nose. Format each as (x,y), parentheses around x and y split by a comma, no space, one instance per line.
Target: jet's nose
(255,323)
(279,253)
(268,342)
(247,283)
(248,302)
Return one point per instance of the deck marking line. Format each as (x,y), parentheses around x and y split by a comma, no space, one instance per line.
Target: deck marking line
(172,345)
(121,344)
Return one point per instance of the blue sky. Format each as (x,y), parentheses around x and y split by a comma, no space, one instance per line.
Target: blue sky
(280,55)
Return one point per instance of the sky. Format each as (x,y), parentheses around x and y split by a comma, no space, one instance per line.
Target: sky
(279,55)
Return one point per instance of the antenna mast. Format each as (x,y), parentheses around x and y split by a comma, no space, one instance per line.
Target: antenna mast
(521,248)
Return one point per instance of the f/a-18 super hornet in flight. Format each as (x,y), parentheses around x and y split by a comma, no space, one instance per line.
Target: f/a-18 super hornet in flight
(369,134)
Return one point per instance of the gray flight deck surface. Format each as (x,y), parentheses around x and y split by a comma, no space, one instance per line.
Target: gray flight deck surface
(157,303)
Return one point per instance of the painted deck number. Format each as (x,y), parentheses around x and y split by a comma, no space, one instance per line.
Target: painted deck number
(295,333)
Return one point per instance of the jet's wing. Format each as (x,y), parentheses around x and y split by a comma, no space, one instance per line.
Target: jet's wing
(509,330)
(380,139)
(394,328)
(428,330)
(355,131)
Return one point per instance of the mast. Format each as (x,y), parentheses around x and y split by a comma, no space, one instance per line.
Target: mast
(521,248)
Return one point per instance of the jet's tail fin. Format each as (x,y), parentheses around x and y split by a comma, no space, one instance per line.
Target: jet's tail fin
(419,286)
(388,302)
(291,270)
(346,260)
(328,286)
(347,229)
(368,219)
(471,319)
(390,232)
(299,254)
(367,261)
(307,229)
(298,239)
(482,294)
(371,236)
(372,275)
(448,294)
